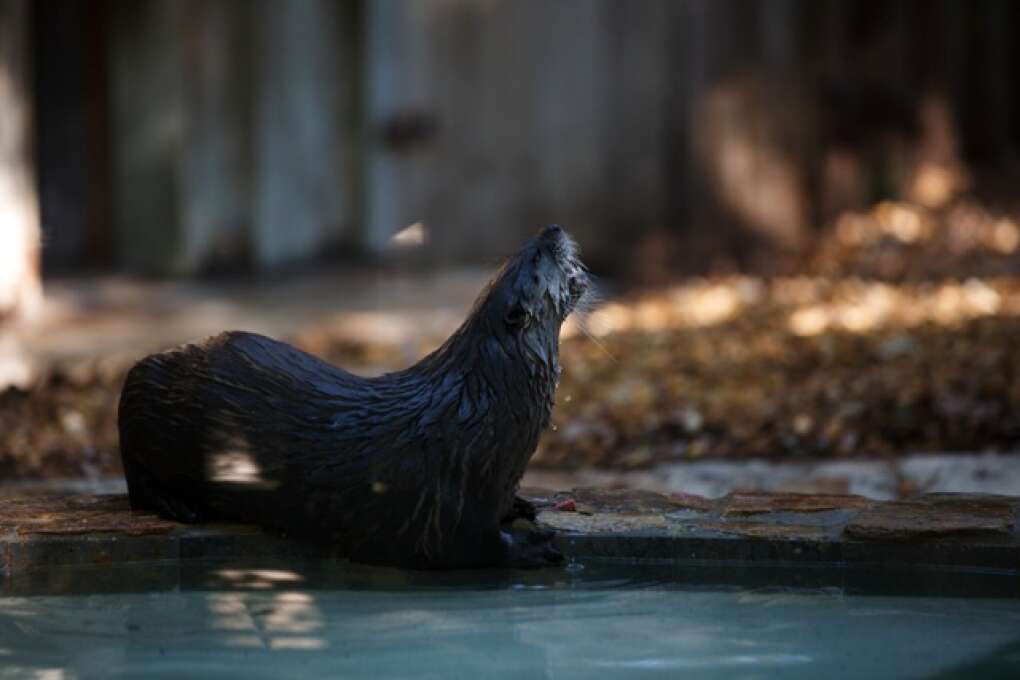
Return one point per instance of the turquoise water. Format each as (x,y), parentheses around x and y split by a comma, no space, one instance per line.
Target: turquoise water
(582,623)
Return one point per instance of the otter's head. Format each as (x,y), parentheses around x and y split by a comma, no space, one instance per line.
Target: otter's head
(539,286)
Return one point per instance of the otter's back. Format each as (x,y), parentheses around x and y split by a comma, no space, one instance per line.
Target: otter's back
(230,427)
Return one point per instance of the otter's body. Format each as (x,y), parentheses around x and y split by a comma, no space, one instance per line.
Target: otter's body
(415,468)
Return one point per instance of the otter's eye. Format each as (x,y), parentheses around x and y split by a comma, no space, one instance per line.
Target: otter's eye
(575,286)
(518,316)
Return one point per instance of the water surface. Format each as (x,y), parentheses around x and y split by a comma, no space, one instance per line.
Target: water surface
(616,622)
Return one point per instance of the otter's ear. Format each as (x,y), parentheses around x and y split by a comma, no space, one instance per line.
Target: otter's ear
(518,315)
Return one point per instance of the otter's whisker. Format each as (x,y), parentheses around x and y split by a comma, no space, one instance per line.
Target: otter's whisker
(589,301)
(598,343)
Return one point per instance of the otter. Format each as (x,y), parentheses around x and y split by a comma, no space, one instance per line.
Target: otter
(418,468)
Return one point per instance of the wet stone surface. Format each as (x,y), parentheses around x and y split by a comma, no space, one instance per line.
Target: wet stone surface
(78,514)
(955,530)
(937,515)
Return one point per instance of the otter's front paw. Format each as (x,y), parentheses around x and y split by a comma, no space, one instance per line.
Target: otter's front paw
(521,509)
(531,549)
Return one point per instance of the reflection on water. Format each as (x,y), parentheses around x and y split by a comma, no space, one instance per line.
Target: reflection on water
(598,621)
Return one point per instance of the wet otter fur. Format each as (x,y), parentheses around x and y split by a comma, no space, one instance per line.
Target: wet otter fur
(417,468)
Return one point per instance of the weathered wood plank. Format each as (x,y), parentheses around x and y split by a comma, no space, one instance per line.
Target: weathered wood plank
(20,290)
(303,190)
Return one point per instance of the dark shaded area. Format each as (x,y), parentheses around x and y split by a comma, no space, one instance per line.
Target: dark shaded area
(72,145)
(1001,663)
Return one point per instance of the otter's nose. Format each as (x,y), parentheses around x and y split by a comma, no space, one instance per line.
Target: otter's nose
(552,233)
(577,284)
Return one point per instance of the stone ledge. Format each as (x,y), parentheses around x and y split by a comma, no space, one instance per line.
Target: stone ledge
(936,530)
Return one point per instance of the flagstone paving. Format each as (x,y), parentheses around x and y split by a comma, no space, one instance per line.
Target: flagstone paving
(38,531)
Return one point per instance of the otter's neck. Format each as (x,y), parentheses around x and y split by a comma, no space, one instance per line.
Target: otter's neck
(504,376)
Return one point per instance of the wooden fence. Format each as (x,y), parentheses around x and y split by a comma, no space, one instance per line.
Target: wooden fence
(668,134)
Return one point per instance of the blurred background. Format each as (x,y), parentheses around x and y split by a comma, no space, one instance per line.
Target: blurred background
(803,214)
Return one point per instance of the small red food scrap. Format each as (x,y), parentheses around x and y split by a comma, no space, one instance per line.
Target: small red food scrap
(566,506)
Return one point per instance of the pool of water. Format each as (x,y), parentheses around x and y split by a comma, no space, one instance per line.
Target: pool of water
(616,621)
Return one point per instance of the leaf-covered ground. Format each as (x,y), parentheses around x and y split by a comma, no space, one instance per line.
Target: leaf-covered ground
(795,367)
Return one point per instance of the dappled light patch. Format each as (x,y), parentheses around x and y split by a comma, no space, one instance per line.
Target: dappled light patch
(236,465)
(259,579)
(701,302)
(285,621)
(897,240)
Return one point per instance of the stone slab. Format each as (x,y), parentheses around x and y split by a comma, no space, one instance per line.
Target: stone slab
(936,515)
(762,503)
(78,514)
